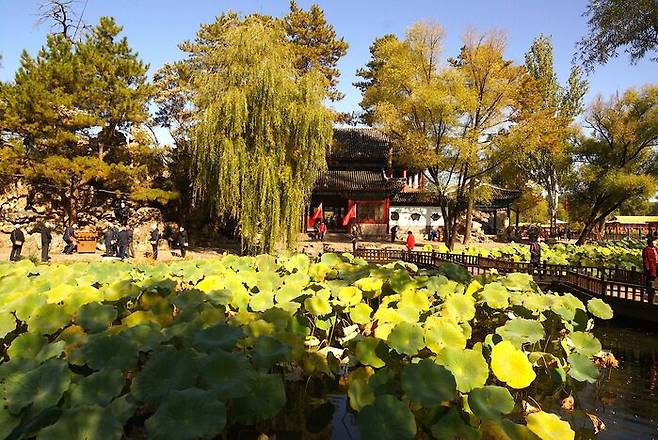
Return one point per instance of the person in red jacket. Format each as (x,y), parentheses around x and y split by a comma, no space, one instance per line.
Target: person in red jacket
(411,241)
(649,260)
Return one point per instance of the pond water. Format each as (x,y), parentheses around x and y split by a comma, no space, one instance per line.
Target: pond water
(628,401)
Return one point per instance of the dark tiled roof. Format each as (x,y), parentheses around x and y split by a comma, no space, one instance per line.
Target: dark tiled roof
(357,181)
(358,146)
(416,199)
(500,198)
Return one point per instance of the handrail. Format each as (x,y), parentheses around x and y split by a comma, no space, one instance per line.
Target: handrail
(597,281)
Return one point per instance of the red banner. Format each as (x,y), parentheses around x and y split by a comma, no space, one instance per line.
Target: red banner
(350,215)
(317,215)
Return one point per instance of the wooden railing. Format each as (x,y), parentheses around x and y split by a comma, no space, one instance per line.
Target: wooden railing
(616,283)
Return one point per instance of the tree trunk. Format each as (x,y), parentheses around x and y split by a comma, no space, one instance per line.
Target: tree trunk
(468,227)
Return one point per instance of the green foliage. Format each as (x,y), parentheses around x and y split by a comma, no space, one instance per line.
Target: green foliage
(425,359)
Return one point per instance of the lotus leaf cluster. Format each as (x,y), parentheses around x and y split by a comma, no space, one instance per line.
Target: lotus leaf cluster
(206,348)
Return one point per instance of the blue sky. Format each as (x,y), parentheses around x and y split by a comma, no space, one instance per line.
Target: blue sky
(154,27)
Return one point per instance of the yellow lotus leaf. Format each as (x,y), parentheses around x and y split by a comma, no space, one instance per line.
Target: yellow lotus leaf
(511,365)
(383,330)
(443,332)
(385,314)
(473,287)
(548,426)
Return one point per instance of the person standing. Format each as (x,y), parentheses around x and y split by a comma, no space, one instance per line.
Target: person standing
(69,239)
(649,261)
(17,239)
(411,241)
(131,246)
(322,229)
(46,238)
(394,233)
(354,234)
(108,238)
(155,240)
(123,242)
(183,241)
(535,252)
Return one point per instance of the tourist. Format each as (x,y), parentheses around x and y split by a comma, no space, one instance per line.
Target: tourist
(108,238)
(17,239)
(123,241)
(131,247)
(354,234)
(535,252)
(322,230)
(155,240)
(316,230)
(431,235)
(411,241)
(649,259)
(46,238)
(394,233)
(69,239)
(183,241)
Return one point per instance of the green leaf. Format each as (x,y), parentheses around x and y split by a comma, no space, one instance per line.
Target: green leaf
(190,413)
(95,317)
(318,306)
(490,402)
(599,308)
(369,350)
(495,295)
(266,399)
(84,423)
(8,423)
(428,383)
(548,426)
(228,374)
(468,366)
(41,387)
(359,390)
(48,319)
(386,419)
(406,338)
(7,323)
(441,332)
(220,336)
(520,331)
(269,351)
(165,372)
(582,368)
(460,307)
(451,426)
(98,388)
(585,343)
(261,301)
(108,351)
(360,313)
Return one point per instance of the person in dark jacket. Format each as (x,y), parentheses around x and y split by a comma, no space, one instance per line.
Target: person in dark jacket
(46,238)
(155,240)
(17,239)
(394,233)
(183,241)
(69,239)
(535,252)
(131,247)
(108,239)
(124,241)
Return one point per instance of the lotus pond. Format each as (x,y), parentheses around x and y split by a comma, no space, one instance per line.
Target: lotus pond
(237,346)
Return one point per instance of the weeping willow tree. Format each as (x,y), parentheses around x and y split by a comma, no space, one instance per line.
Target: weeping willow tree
(258,144)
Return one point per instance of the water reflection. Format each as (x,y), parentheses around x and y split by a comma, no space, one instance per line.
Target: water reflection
(628,401)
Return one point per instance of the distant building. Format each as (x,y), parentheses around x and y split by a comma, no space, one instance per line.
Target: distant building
(365,183)
(631,225)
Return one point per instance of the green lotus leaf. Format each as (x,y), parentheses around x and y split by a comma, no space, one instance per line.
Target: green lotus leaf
(511,365)
(521,331)
(460,307)
(228,374)
(26,305)
(495,295)
(266,399)
(269,351)
(73,337)
(82,295)
(164,372)
(59,293)
(599,308)
(506,430)
(582,368)
(406,338)
(261,301)
(469,367)
(387,418)
(83,423)
(190,413)
(566,306)
(443,332)
(98,388)
(536,302)
(360,313)
(27,345)
(221,336)
(318,306)
(331,259)
(370,285)
(8,423)
(41,387)
(189,299)
(369,350)
(518,281)
(146,336)
(490,402)
(585,343)
(451,426)
(140,317)
(359,390)
(428,383)
(95,317)
(349,296)
(288,293)
(400,281)
(48,319)
(122,408)
(108,351)
(7,323)
(319,271)
(297,263)
(548,426)
(120,289)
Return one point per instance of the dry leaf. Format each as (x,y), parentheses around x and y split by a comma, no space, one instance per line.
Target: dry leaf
(528,408)
(598,423)
(568,403)
(607,360)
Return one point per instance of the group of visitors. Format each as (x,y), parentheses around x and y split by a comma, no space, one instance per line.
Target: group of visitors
(320,230)
(410,241)
(118,241)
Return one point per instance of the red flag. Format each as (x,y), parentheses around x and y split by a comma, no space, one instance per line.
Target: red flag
(350,215)
(317,215)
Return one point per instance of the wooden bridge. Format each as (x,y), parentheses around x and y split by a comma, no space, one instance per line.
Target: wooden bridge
(625,290)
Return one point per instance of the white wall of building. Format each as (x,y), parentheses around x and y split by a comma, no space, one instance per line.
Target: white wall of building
(421,226)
